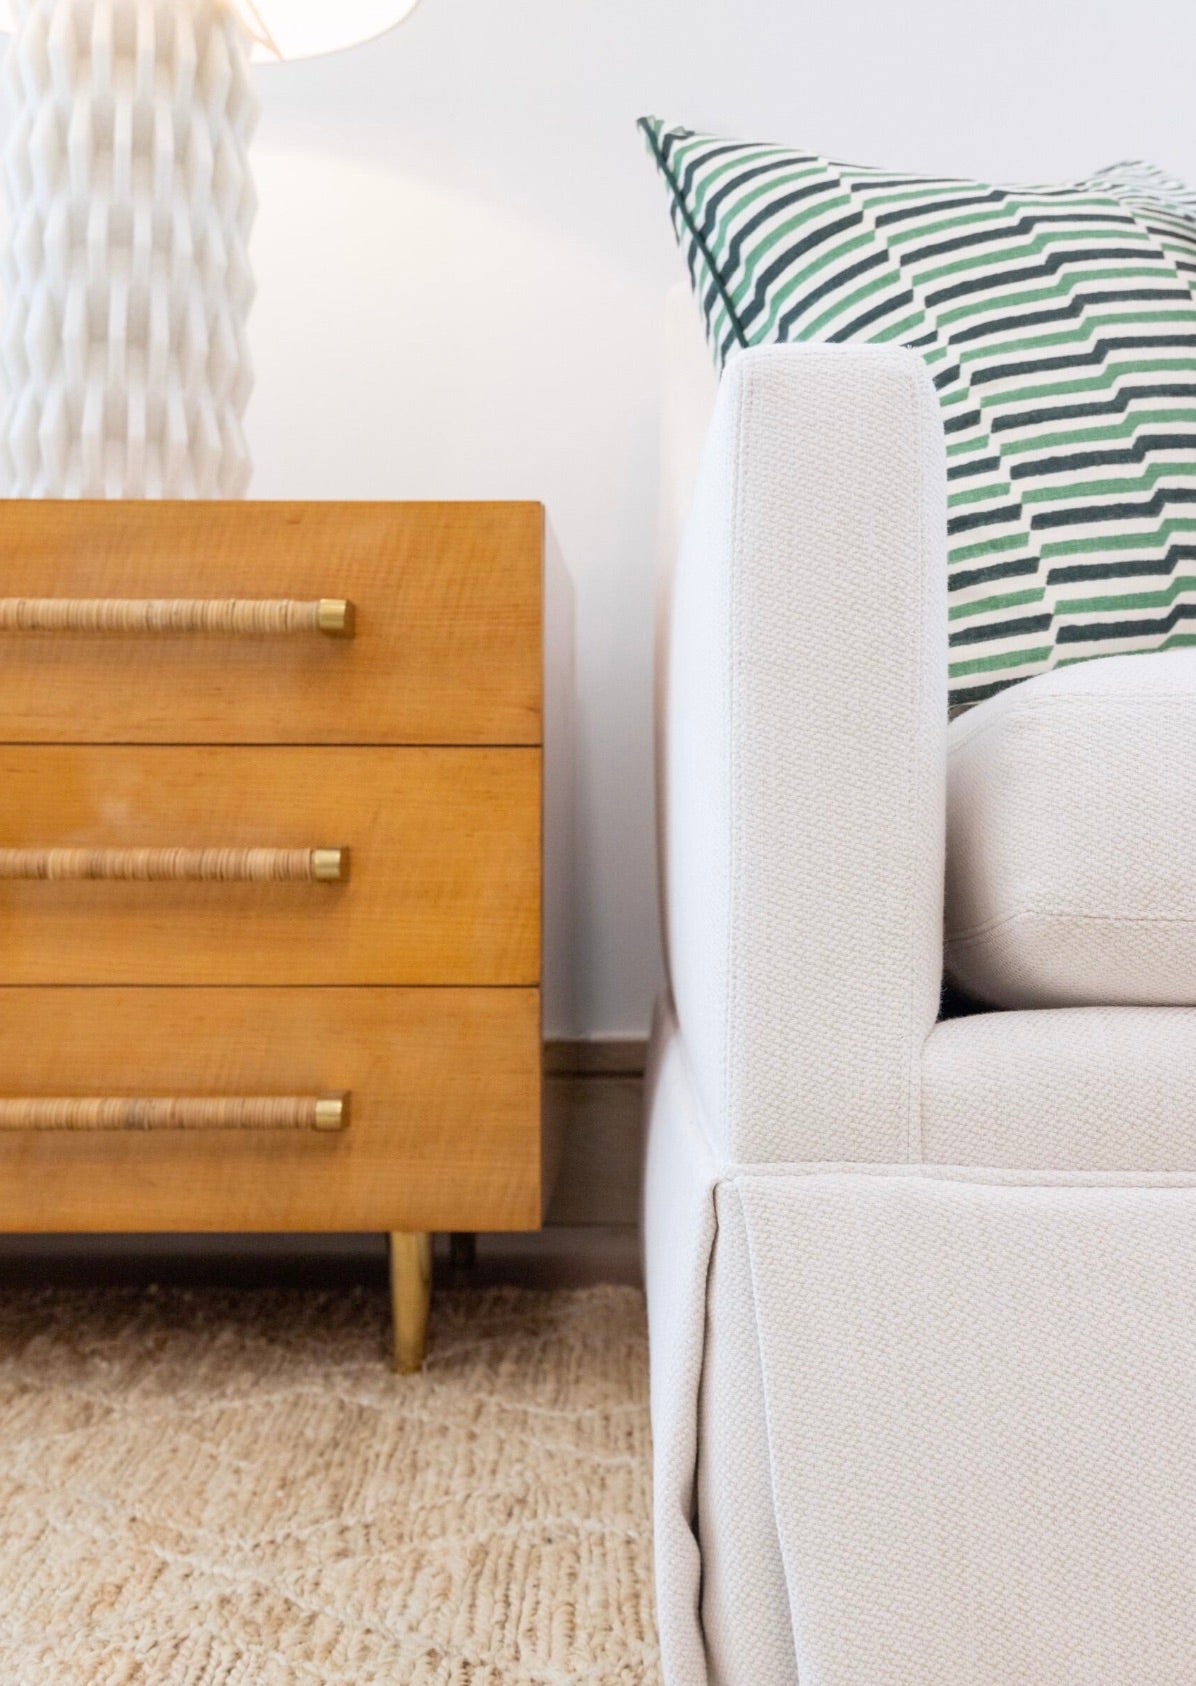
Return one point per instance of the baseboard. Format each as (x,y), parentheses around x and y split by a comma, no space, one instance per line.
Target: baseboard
(606,1056)
(593,1102)
(559,1257)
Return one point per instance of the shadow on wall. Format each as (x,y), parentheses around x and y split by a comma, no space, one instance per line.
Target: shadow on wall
(411,340)
(560,796)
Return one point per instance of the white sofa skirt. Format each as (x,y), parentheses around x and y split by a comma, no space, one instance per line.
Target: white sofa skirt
(917,1425)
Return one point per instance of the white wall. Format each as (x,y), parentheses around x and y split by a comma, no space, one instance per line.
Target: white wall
(462,250)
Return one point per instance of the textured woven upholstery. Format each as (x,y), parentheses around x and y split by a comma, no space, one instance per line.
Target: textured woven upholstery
(1071,837)
(981,1406)
(922,1296)
(803,867)
(745,1602)
(1077,1089)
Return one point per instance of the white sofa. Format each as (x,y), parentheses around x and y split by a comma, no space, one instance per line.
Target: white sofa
(922,1291)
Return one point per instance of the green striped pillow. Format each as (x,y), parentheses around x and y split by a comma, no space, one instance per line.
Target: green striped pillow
(1059,324)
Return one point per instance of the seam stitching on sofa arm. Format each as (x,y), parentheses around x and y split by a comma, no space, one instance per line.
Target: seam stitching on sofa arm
(988,1176)
(974,933)
(747,384)
(1024,708)
(918,681)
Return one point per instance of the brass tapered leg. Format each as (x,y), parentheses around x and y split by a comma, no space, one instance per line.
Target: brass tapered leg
(410,1293)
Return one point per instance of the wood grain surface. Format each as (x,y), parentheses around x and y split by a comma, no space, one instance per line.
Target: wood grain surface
(446,649)
(444,1132)
(444,886)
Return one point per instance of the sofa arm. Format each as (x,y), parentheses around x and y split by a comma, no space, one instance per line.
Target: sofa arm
(803,714)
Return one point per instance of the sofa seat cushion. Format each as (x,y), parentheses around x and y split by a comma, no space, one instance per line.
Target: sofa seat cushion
(1071,838)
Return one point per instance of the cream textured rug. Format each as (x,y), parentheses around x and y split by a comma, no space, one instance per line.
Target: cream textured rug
(211,1489)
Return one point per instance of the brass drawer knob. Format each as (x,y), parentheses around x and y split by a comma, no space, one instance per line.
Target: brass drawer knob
(196,866)
(335,617)
(179,1112)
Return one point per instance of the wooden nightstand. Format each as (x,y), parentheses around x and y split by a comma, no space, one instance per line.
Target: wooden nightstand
(270,871)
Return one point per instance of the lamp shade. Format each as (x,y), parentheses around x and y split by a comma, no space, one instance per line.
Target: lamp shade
(301,29)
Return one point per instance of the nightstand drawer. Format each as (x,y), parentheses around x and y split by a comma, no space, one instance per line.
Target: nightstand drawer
(442,1092)
(239,883)
(102,622)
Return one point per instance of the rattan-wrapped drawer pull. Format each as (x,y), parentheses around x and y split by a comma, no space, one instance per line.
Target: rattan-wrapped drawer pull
(228,616)
(176,1112)
(178,865)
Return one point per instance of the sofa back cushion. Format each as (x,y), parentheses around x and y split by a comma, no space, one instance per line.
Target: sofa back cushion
(1059,324)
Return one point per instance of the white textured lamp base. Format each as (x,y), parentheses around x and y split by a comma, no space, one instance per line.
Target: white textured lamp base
(127,271)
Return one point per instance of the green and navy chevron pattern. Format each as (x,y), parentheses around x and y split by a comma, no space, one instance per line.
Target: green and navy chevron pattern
(1059,324)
